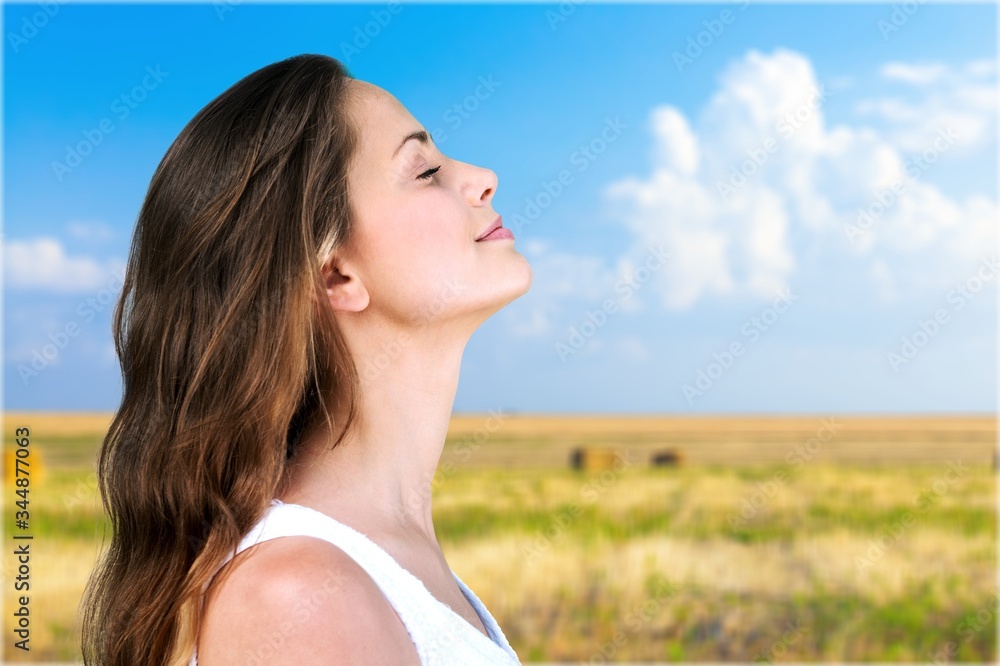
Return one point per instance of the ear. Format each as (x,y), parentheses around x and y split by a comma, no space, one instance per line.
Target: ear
(344,289)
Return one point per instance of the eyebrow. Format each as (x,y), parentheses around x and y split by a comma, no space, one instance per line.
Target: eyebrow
(419,135)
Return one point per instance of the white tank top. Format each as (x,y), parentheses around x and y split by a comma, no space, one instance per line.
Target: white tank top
(442,636)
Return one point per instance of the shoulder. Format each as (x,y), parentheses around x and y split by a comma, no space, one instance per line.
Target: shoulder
(297,600)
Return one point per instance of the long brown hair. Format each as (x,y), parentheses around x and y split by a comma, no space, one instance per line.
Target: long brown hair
(228,355)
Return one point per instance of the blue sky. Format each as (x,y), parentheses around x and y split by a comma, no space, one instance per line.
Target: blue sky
(738,141)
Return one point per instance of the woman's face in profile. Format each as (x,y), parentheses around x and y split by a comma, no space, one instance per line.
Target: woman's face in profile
(418,214)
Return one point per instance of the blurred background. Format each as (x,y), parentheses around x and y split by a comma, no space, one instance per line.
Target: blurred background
(746,412)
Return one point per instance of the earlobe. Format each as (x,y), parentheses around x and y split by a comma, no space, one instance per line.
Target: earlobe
(344,289)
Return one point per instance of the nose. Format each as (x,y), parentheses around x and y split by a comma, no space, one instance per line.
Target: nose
(481,186)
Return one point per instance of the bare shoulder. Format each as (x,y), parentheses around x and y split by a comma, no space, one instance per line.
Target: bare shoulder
(300,600)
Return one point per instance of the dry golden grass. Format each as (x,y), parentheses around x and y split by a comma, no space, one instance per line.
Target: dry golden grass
(58,424)
(721,439)
(566,591)
(511,439)
(732,596)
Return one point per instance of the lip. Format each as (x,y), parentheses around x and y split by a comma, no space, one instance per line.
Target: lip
(497,224)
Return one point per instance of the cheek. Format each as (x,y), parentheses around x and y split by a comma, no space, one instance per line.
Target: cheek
(418,257)
(434,228)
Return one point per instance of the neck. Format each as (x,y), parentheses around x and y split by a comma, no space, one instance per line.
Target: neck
(381,474)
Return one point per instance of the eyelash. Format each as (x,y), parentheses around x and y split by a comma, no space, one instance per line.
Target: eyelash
(427,174)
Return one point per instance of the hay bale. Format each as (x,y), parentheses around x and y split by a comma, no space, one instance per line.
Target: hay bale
(591,459)
(667,458)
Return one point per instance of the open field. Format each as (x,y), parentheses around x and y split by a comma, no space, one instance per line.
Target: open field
(517,440)
(525,440)
(877,544)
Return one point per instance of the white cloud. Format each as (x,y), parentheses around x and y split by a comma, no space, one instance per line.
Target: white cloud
(565,286)
(42,263)
(680,148)
(90,231)
(536,246)
(537,324)
(934,96)
(758,186)
(633,350)
(916,74)
(839,83)
(984,67)
(557,277)
(882,277)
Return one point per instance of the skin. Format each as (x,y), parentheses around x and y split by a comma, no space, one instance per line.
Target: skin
(412,275)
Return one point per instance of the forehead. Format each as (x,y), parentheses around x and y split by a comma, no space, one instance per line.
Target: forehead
(381,121)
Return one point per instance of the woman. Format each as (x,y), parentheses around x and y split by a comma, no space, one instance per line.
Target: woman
(305,273)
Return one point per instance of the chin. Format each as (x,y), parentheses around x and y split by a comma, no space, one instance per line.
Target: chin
(517,279)
(527,277)
(515,285)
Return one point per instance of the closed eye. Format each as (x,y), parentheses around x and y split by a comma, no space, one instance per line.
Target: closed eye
(427,174)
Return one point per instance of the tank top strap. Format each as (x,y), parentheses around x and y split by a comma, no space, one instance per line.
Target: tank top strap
(297,520)
(439,634)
